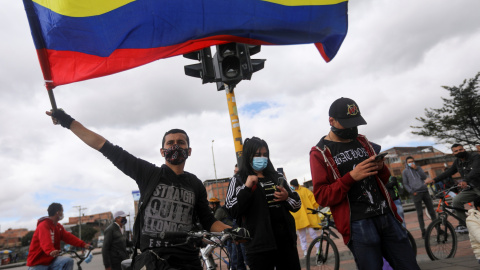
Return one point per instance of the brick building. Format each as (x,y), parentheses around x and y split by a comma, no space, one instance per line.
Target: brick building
(432,160)
(217,188)
(12,238)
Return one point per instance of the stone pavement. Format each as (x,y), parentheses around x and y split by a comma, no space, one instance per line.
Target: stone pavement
(464,258)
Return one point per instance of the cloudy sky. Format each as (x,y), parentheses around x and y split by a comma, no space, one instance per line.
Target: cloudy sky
(393,62)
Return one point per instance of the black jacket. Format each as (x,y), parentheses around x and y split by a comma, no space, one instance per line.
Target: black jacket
(149,178)
(469,169)
(249,207)
(114,248)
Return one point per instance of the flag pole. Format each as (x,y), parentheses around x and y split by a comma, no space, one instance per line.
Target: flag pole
(52,99)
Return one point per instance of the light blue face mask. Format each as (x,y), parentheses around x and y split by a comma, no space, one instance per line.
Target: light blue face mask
(259,163)
(411,164)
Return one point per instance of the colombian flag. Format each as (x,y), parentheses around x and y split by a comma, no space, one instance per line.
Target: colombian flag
(82,39)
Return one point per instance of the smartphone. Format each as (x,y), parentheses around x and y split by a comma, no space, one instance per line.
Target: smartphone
(380,156)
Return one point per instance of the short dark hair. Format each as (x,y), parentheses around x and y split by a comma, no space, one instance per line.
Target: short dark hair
(173,131)
(476,202)
(409,157)
(455,145)
(294,183)
(54,208)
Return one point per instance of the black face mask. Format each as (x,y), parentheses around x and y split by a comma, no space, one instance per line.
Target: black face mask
(347,133)
(461,154)
(123,221)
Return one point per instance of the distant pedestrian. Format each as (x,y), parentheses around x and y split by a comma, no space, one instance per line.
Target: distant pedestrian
(303,220)
(114,249)
(415,182)
(473,224)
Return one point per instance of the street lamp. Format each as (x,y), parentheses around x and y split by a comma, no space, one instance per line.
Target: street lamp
(216,180)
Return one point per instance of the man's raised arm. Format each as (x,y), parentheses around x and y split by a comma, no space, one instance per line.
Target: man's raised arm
(89,137)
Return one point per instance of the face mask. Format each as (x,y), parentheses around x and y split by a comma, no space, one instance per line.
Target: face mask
(123,221)
(259,163)
(411,164)
(60,217)
(461,155)
(176,155)
(347,133)
(292,188)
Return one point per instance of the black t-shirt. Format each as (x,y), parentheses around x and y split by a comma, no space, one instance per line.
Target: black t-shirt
(365,196)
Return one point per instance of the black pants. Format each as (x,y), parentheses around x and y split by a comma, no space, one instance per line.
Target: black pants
(285,257)
(417,200)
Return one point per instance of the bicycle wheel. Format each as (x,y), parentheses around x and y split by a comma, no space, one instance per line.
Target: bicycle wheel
(326,257)
(412,242)
(440,240)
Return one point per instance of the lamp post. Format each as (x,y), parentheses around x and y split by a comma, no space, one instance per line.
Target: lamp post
(216,180)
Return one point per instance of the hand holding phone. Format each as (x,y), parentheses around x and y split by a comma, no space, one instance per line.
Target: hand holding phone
(380,156)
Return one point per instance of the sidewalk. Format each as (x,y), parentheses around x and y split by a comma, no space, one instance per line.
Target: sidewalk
(464,258)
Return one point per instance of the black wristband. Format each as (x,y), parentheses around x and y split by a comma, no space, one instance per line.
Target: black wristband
(64,119)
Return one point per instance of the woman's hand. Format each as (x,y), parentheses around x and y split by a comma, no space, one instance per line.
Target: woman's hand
(281,194)
(252,180)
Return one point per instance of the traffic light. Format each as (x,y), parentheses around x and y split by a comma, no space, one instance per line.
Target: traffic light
(232,63)
(204,69)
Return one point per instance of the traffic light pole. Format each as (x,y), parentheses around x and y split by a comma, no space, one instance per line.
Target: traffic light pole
(236,132)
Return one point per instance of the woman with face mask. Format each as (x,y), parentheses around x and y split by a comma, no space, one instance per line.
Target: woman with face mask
(260,199)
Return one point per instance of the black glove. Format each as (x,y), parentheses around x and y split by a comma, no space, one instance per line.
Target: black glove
(64,119)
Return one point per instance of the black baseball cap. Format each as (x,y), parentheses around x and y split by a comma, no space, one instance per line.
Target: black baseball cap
(346,112)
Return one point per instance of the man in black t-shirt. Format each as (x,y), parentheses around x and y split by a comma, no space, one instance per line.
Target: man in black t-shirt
(348,178)
(171,198)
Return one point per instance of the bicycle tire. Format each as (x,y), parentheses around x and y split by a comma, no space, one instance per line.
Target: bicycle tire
(440,240)
(327,257)
(412,242)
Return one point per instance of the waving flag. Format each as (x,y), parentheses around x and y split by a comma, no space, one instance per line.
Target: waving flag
(82,39)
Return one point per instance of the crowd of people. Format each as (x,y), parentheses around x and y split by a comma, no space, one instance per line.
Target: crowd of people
(348,176)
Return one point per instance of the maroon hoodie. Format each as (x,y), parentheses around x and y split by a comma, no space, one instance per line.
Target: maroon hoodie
(46,239)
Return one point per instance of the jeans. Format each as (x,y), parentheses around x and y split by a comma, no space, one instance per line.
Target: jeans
(373,239)
(59,263)
(236,256)
(398,203)
(417,200)
(462,198)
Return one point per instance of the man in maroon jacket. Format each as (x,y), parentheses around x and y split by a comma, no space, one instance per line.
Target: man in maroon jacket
(45,245)
(347,177)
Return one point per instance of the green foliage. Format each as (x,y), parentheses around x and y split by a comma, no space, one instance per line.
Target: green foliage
(27,239)
(88,232)
(458,121)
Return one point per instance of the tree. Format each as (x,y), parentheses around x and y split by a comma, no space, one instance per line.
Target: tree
(458,121)
(88,232)
(27,239)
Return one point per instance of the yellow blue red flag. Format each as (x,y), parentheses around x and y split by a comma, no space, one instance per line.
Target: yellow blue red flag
(82,39)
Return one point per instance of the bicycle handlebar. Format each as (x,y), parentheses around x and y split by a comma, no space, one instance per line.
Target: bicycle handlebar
(192,236)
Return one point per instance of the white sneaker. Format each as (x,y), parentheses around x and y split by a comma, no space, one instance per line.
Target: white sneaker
(304,253)
(461,229)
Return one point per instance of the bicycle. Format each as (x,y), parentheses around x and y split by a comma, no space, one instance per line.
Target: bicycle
(87,258)
(440,237)
(438,209)
(207,242)
(327,256)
